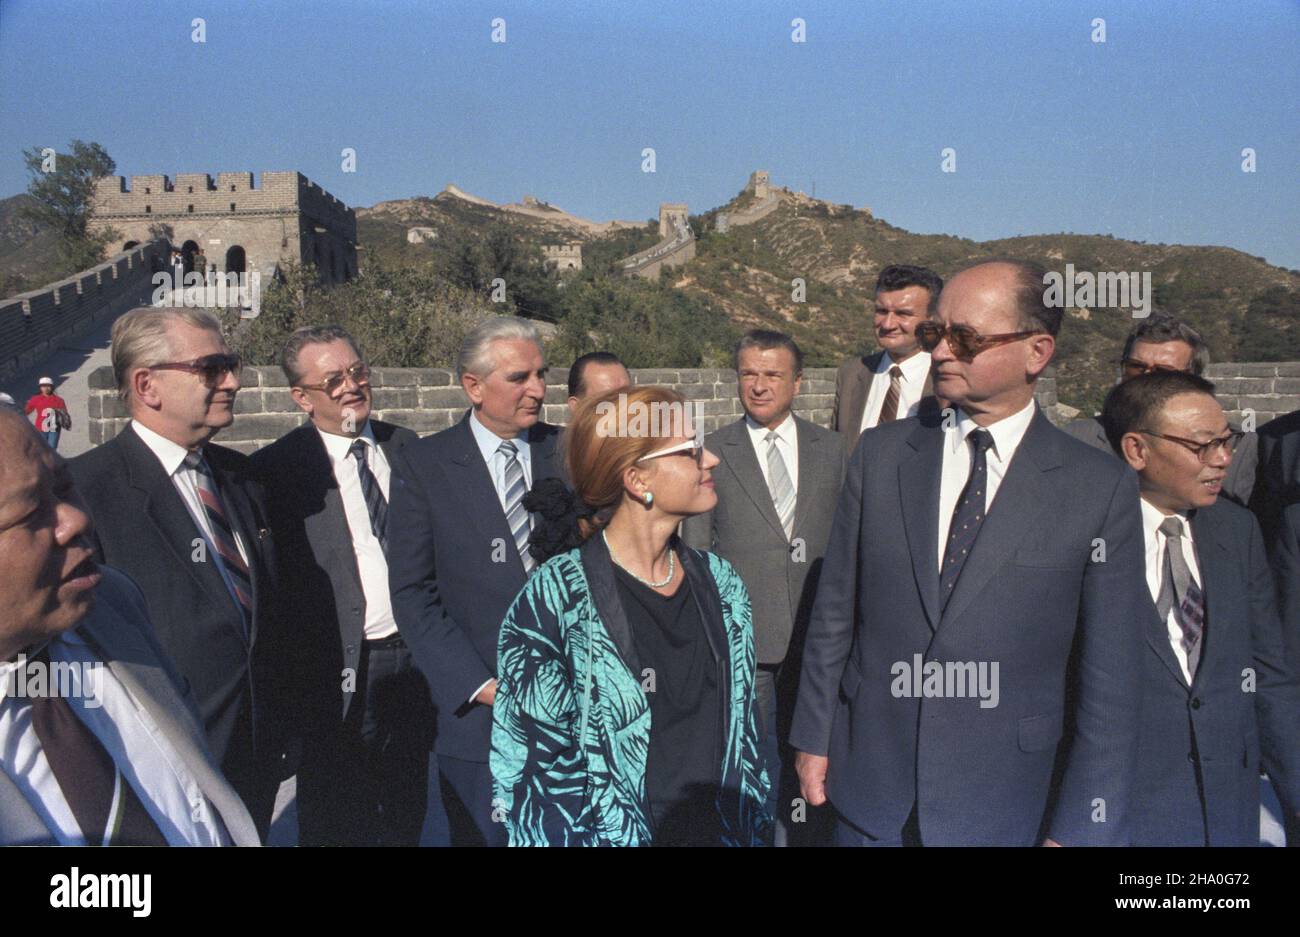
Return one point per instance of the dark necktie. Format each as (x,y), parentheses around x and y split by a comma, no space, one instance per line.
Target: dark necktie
(101,799)
(223,536)
(967,516)
(1180,594)
(889,411)
(376,505)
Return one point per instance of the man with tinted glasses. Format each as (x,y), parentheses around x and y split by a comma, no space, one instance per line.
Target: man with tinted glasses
(894,382)
(970,674)
(1218,697)
(364,707)
(1162,342)
(185,519)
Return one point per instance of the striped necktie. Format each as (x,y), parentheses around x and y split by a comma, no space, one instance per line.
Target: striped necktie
(782,489)
(223,536)
(376,505)
(516,516)
(889,411)
(1180,594)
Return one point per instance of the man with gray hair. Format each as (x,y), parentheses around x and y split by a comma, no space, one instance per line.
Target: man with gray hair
(185,519)
(1162,342)
(458,551)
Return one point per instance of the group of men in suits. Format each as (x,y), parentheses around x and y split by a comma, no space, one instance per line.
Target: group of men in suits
(949,651)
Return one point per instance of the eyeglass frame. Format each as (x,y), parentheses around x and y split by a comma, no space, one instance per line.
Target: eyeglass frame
(194,366)
(343,377)
(984,342)
(696,445)
(1146,368)
(1197,448)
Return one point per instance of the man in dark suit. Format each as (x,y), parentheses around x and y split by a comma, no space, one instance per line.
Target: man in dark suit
(186,520)
(970,674)
(777,482)
(894,382)
(365,711)
(115,754)
(1277,481)
(593,374)
(1218,697)
(1161,342)
(458,551)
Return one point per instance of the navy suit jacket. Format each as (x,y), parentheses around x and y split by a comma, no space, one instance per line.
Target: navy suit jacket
(1202,746)
(143,528)
(1284,554)
(1056,754)
(1277,482)
(446,531)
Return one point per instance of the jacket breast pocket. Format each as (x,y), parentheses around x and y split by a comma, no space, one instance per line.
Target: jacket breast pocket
(1040,733)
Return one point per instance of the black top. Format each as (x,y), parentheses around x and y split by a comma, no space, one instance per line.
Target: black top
(680,675)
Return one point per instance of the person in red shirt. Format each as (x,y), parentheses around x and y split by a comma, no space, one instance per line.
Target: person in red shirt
(47,405)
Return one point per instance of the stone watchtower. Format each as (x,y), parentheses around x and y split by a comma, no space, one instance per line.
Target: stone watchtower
(672,215)
(759,184)
(564,256)
(238,226)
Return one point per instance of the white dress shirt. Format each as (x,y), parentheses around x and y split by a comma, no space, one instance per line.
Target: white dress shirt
(1007,434)
(787,443)
(911,388)
(144,757)
(488,444)
(372,565)
(1152,518)
(172,457)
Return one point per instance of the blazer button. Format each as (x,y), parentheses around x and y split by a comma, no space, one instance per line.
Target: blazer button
(1190,758)
(352,648)
(1196,702)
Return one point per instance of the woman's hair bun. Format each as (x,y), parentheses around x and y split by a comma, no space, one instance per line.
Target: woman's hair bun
(561,510)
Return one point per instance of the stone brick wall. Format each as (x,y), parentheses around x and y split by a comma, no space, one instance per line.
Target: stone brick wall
(1268,389)
(427,400)
(34,324)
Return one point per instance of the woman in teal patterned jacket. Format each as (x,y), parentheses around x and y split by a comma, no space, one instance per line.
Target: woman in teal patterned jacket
(627,625)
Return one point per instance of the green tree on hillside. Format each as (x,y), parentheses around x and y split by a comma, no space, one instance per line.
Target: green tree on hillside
(64,199)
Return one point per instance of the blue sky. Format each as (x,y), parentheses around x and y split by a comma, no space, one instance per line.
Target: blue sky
(1140,137)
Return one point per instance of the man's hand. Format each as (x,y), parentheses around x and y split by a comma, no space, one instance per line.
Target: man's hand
(488,695)
(812,776)
(1051,842)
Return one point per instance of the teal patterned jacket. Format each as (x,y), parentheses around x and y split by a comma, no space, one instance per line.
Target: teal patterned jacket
(571,723)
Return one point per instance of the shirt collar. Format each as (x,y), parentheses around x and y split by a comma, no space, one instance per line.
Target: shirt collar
(784,432)
(1153,517)
(489,442)
(1006,432)
(915,369)
(170,454)
(338,446)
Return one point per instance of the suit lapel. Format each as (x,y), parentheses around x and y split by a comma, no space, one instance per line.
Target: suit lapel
(167,512)
(327,529)
(471,477)
(1213,554)
(861,391)
(541,445)
(738,453)
(810,468)
(918,484)
(20,825)
(244,521)
(1012,517)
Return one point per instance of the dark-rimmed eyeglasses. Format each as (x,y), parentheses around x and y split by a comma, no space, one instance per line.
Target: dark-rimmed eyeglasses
(964,341)
(1132,367)
(210,368)
(1203,450)
(359,374)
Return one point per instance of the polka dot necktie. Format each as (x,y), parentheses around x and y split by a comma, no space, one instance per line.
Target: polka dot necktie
(966,516)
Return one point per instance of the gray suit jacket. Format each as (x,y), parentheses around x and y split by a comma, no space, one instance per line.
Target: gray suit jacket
(118,628)
(1238,482)
(853,384)
(744,528)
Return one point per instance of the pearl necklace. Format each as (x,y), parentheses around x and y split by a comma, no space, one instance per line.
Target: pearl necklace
(672,567)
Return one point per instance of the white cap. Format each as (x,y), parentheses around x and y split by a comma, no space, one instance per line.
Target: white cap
(7,400)
(45,380)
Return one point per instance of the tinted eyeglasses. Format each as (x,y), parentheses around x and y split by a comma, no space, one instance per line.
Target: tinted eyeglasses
(210,368)
(692,447)
(359,373)
(964,341)
(1204,450)
(1134,368)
